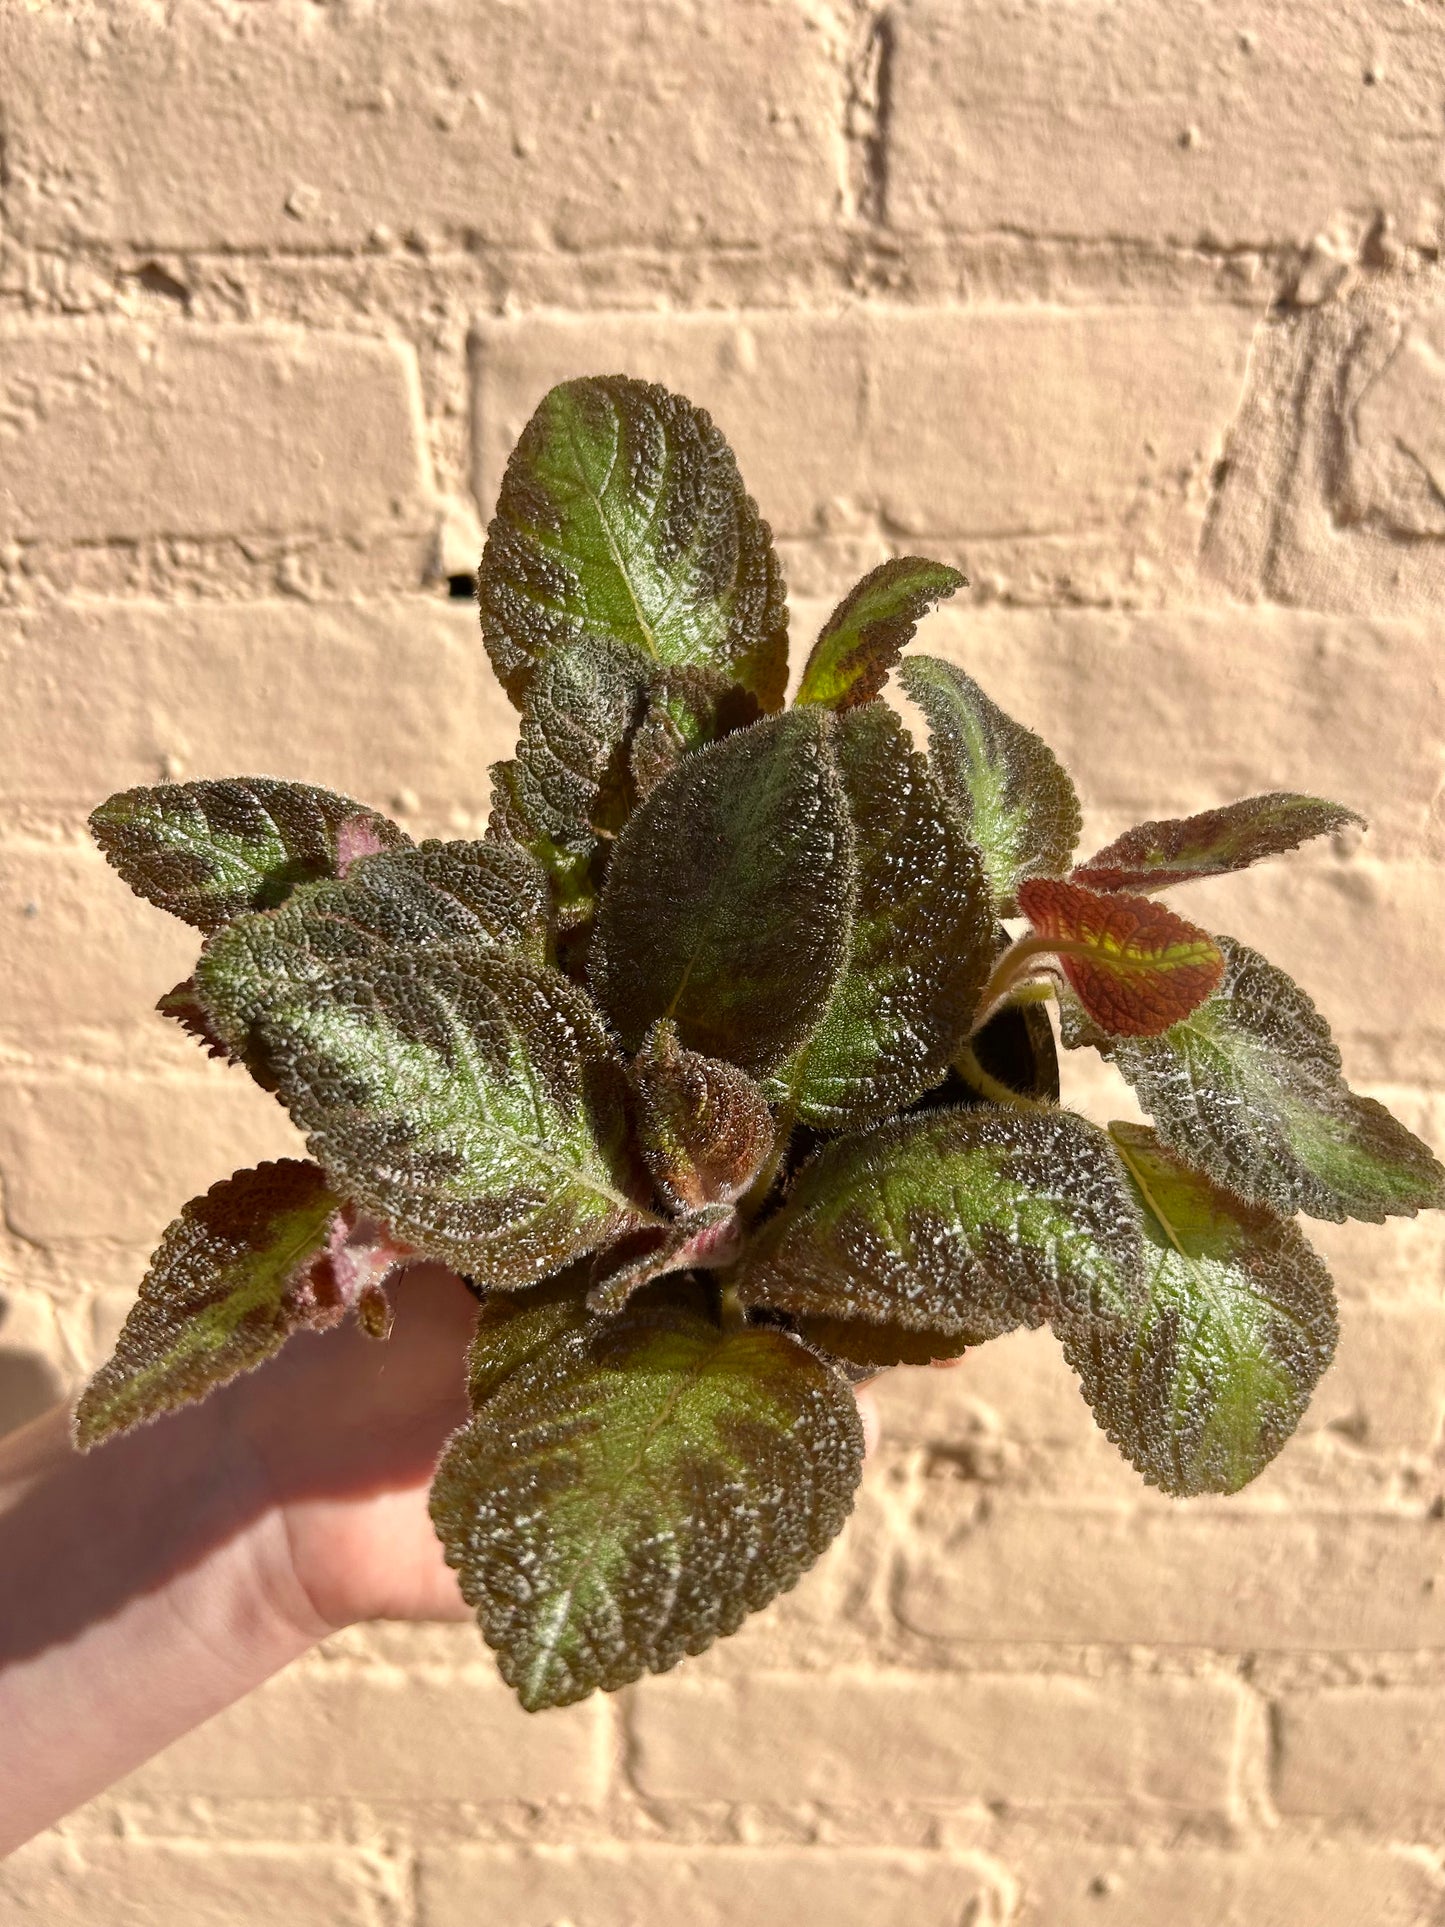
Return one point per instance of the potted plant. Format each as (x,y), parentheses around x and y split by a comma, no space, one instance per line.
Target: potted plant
(719,1072)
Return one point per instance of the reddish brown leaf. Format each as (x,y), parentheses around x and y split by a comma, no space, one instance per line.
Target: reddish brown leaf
(1154,855)
(703,1126)
(1134,966)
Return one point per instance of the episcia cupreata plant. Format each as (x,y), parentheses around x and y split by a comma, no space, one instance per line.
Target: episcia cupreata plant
(716,1070)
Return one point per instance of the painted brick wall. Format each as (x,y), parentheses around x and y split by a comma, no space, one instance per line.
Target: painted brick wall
(1132,308)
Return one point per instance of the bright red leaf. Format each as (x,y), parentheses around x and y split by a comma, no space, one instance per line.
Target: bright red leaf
(1134,966)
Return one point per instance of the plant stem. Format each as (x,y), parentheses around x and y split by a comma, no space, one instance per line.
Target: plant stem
(1015,963)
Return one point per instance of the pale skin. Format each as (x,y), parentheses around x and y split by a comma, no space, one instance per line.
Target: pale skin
(152,1582)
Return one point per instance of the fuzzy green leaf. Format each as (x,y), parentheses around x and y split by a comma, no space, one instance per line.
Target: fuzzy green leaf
(865,1348)
(1208,1378)
(457,897)
(568,785)
(599,732)
(1248,1089)
(703,1126)
(622,517)
(209,851)
(239,1271)
(631,1494)
(182,1004)
(964,1223)
(515,1327)
(919,942)
(705,1240)
(869,630)
(728,896)
(1156,855)
(684,709)
(1012,792)
(471,1100)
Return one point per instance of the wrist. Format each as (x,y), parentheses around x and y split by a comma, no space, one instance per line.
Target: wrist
(146,1588)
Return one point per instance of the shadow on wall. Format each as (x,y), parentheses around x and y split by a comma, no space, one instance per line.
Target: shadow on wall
(29,1383)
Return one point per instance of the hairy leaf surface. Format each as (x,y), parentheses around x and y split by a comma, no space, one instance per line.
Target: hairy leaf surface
(515,1327)
(1155,855)
(240,1270)
(182,1004)
(622,517)
(1134,966)
(209,851)
(866,1348)
(1204,1383)
(457,897)
(705,1240)
(632,1493)
(683,710)
(729,896)
(965,1223)
(472,1100)
(703,1126)
(1248,1088)
(919,942)
(568,784)
(869,630)
(1014,795)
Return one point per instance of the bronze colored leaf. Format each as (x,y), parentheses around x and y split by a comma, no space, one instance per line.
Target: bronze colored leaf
(631,1493)
(728,897)
(919,940)
(1248,1089)
(703,1126)
(963,1224)
(240,1270)
(1208,1376)
(1156,855)
(209,851)
(869,630)
(1014,796)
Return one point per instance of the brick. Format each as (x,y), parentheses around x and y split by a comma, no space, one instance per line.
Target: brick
(1343,512)
(857,1739)
(1168,124)
(1385,1391)
(1369,1753)
(33,1361)
(76,950)
(1391,1265)
(373,700)
(1223,1574)
(57,1882)
(325,1733)
(637,1886)
(1017,422)
(639,124)
(1277,1884)
(97,1155)
(1014,1404)
(1016,1388)
(118,431)
(1161,713)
